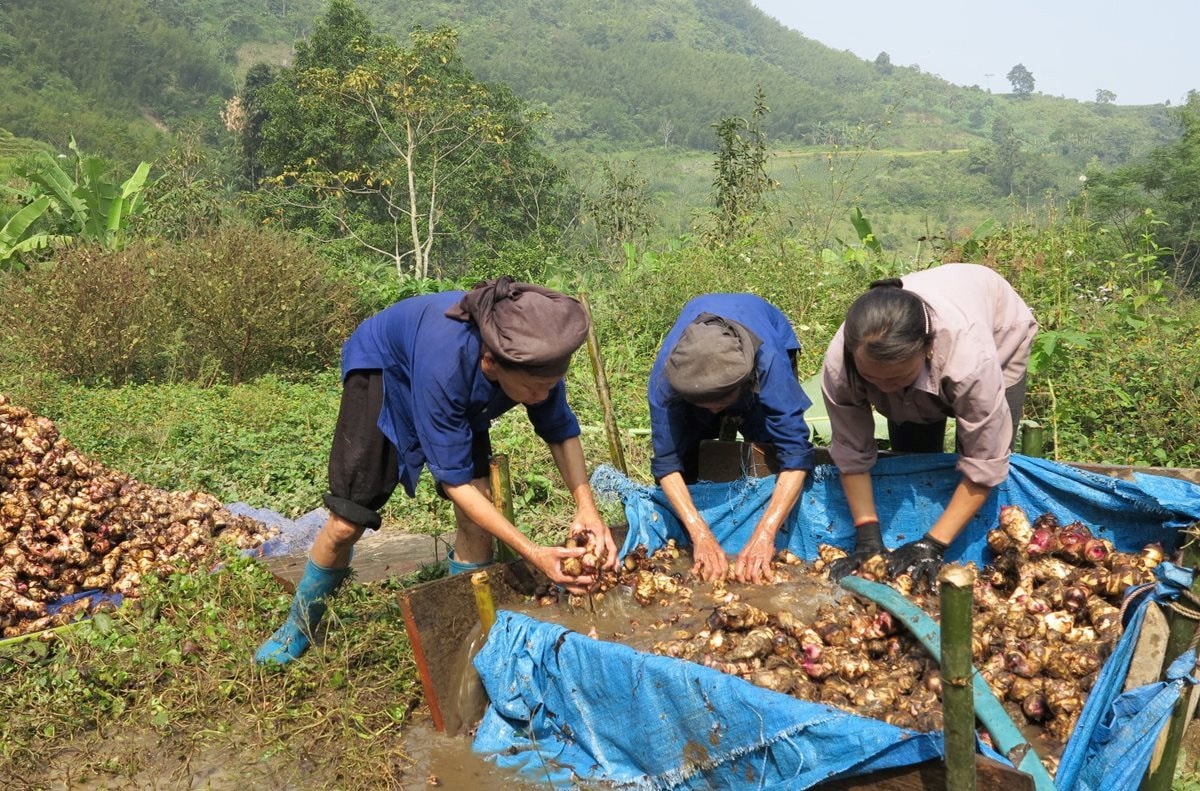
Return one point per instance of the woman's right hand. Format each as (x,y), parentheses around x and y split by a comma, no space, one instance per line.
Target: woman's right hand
(710,563)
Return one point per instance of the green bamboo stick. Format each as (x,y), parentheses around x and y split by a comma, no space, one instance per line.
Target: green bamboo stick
(1033,439)
(615,451)
(958,702)
(1161,775)
(501,481)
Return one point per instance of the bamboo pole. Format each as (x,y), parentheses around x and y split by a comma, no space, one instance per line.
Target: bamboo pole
(1033,440)
(615,452)
(1161,774)
(958,702)
(501,482)
(483,601)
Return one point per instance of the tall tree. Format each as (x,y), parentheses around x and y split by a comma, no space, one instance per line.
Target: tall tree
(1021,79)
(398,148)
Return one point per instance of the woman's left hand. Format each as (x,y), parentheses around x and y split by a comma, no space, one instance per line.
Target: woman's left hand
(753,564)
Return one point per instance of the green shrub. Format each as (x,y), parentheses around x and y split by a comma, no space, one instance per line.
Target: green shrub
(252,302)
(232,305)
(95,315)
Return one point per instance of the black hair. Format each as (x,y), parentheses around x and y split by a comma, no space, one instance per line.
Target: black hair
(887,324)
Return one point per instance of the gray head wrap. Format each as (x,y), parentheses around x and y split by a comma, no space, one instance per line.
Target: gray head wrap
(524,325)
(713,358)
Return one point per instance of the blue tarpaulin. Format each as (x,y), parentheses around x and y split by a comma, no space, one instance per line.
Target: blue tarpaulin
(567,709)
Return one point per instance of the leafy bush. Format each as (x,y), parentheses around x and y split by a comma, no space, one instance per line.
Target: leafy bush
(254,302)
(233,305)
(97,315)
(1113,375)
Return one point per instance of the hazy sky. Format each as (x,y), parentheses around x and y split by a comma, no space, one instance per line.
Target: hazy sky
(1145,52)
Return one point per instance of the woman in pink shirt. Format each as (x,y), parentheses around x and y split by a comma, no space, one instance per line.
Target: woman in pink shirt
(952,341)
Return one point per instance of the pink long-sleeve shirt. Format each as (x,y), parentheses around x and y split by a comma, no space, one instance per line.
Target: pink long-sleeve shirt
(982,334)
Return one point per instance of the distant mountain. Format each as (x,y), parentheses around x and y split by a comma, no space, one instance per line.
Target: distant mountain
(647,72)
(621,74)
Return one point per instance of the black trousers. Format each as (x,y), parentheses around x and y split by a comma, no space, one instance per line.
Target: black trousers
(364,465)
(931,437)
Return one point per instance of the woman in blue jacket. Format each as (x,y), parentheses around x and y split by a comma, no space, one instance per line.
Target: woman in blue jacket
(421,382)
(729,354)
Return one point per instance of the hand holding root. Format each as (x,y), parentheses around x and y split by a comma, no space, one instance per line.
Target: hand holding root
(921,558)
(588,529)
(588,558)
(869,544)
(558,563)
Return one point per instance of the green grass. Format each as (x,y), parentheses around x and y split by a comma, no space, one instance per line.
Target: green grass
(173,668)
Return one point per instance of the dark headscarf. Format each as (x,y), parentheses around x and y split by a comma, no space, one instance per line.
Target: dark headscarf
(524,325)
(713,358)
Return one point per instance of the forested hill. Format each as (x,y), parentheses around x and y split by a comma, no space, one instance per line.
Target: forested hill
(628,73)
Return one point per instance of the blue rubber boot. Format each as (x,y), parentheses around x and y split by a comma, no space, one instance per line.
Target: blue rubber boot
(462,567)
(308,607)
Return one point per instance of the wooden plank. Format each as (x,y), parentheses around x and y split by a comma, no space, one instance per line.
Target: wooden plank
(1126,472)
(440,617)
(1146,664)
(723,460)
(727,460)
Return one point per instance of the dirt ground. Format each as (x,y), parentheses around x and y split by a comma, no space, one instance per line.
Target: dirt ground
(143,762)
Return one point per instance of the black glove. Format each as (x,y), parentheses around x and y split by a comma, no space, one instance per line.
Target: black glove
(921,558)
(868,543)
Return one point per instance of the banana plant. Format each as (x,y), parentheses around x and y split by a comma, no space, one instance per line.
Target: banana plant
(16,237)
(94,205)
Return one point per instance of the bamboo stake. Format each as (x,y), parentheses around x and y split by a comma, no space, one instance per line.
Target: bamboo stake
(1033,440)
(615,452)
(958,702)
(1161,775)
(501,482)
(483,601)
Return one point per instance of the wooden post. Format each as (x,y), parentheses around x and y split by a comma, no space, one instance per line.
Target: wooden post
(958,702)
(483,601)
(1162,771)
(501,482)
(615,452)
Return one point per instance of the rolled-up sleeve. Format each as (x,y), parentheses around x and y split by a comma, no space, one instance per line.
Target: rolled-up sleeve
(553,420)
(852,426)
(983,424)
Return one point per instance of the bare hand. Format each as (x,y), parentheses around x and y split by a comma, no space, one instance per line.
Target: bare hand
(548,560)
(754,561)
(606,547)
(710,562)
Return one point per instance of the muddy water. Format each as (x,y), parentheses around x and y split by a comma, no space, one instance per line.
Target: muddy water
(443,761)
(616,616)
